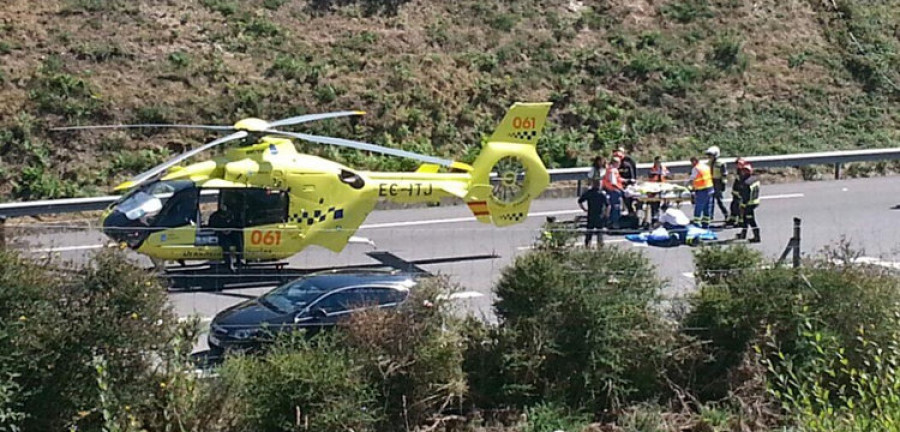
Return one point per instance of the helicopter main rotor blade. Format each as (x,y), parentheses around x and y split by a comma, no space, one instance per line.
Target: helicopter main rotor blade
(313,117)
(153,172)
(138,126)
(365,146)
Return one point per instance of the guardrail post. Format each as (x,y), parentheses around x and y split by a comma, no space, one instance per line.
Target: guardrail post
(2,232)
(796,241)
(578,188)
(837,171)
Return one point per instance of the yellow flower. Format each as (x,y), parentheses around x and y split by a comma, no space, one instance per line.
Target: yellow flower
(23,318)
(162,384)
(134,315)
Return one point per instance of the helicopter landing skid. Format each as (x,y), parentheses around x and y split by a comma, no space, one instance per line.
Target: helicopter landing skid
(216,276)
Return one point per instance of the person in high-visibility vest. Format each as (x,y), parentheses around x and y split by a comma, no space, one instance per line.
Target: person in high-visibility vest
(658,172)
(734,217)
(749,203)
(612,185)
(719,175)
(702,185)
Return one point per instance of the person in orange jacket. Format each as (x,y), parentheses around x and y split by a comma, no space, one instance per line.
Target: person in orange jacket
(612,185)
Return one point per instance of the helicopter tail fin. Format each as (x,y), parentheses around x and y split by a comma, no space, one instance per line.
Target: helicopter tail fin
(509,174)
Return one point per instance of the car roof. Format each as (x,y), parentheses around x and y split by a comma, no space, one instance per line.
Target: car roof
(328,281)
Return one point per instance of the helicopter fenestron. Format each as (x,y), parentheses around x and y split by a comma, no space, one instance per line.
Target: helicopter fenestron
(282,201)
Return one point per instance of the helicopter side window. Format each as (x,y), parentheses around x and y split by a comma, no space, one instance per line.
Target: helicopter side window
(255,206)
(180,209)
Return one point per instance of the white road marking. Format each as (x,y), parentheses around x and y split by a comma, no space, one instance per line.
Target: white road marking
(775,197)
(361,240)
(620,240)
(688,275)
(878,262)
(70,248)
(465,295)
(458,220)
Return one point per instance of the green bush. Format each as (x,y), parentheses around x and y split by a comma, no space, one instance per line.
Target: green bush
(224,7)
(35,182)
(822,389)
(57,92)
(552,418)
(301,385)
(717,264)
(730,316)
(412,356)
(578,328)
(52,325)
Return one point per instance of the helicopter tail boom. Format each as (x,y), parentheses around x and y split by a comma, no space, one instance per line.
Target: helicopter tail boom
(509,174)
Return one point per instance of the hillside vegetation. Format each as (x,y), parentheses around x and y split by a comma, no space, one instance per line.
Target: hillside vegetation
(656,76)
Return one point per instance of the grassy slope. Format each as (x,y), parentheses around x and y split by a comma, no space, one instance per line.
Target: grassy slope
(657,76)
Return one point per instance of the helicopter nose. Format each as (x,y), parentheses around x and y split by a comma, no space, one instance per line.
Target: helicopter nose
(119,228)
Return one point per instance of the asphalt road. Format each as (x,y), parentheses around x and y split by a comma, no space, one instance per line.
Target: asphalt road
(864,211)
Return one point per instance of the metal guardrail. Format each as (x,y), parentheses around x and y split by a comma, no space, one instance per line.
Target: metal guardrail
(835,158)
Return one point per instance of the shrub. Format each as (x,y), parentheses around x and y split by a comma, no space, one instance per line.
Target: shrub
(552,418)
(135,161)
(686,11)
(733,314)
(224,7)
(35,182)
(726,54)
(822,390)
(718,264)
(56,92)
(412,356)
(575,327)
(54,324)
(301,385)
(180,59)
(100,51)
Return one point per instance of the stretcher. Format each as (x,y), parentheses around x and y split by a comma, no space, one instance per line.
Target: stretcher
(647,193)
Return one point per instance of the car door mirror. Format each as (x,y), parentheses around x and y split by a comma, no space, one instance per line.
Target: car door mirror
(319,313)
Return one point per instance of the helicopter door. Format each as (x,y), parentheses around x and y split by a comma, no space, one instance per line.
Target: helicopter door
(258,215)
(176,225)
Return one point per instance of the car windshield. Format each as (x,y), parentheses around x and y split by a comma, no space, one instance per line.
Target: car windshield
(293,296)
(145,203)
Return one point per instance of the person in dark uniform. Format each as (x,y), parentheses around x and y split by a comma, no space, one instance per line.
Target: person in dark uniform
(719,172)
(225,222)
(749,203)
(596,205)
(628,172)
(734,216)
(658,174)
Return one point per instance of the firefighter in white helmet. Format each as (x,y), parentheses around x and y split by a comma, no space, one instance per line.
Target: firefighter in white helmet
(719,176)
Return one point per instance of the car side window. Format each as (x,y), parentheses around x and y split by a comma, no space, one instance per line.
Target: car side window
(356,298)
(390,296)
(334,302)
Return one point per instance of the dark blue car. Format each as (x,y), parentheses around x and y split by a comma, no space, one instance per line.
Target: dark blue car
(312,302)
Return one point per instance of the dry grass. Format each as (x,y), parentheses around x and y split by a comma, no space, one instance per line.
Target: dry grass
(436,75)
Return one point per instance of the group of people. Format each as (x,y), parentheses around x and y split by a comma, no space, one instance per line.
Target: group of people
(606,197)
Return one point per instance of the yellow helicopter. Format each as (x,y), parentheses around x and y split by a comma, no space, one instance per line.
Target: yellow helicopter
(270,202)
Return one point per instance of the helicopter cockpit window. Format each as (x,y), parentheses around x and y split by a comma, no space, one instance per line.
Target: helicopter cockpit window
(180,210)
(145,204)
